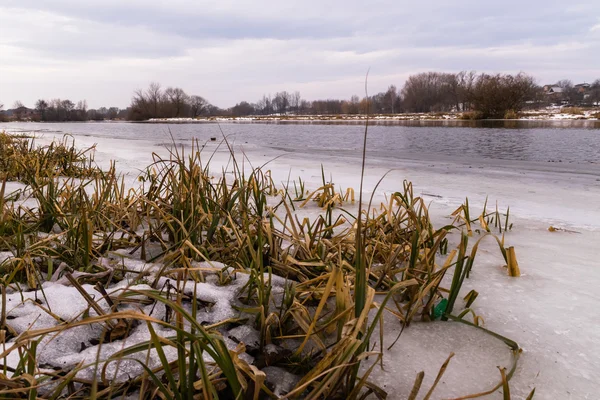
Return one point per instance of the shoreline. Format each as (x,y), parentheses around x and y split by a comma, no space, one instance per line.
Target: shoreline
(552,115)
(535,310)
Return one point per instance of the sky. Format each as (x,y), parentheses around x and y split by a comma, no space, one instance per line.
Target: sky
(228,51)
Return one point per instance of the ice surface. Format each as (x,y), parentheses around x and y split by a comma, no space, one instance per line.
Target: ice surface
(425,347)
(551,311)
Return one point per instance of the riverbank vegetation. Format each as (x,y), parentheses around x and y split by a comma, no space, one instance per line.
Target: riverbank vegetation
(200,284)
(478,96)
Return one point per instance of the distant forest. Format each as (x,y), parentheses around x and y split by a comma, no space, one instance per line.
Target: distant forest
(478,95)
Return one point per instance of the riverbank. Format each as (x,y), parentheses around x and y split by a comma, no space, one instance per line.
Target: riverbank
(549,114)
(543,311)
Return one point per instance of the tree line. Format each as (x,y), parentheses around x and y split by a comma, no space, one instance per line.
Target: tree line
(155,102)
(481,95)
(58,110)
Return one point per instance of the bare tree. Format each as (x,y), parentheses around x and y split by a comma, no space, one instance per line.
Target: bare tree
(281,102)
(140,106)
(241,109)
(177,100)
(466,81)
(82,105)
(68,106)
(112,113)
(353,105)
(153,97)
(295,100)
(265,105)
(390,99)
(304,106)
(41,106)
(593,95)
(197,105)
(494,95)
(569,92)
(18,109)
(430,91)
(564,83)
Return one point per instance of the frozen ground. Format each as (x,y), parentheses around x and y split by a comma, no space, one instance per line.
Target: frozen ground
(551,311)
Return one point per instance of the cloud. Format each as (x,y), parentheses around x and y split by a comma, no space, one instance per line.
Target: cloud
(233,50)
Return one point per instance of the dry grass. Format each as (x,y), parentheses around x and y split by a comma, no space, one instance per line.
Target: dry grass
(471,115)
(183,215)
(572,110)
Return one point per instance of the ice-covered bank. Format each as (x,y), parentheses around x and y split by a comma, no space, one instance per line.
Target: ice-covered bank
(550,311)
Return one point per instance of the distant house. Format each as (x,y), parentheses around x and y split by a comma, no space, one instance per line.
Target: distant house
(583,87)
(553,89)
(556,94)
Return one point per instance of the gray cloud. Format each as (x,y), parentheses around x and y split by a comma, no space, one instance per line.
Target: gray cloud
(233,50)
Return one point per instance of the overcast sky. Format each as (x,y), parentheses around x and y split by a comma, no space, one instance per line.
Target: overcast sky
(228,51)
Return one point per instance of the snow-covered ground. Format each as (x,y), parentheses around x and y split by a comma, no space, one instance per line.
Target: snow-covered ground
(558,113)
(549,113)
(551,311)
(318,117)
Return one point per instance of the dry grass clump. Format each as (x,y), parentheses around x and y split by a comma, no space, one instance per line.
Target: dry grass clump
(316,324)
(21,158)
(572,110)
(471,115)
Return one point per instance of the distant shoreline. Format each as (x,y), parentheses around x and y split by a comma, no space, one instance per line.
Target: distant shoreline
(534,115)
(538,115)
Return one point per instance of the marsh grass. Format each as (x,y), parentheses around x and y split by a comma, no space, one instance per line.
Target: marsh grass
(342,269)
(572,110)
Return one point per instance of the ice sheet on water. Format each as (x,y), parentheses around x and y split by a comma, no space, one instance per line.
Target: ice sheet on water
(561,269)
(425,347)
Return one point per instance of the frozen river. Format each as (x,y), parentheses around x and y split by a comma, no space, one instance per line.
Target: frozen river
(570,143)
(549,175)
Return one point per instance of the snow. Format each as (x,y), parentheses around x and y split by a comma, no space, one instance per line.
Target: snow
(551,311)
(557,113)
(549,113)
(311,118)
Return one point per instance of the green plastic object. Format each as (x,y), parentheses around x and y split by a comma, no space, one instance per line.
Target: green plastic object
(440,308)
